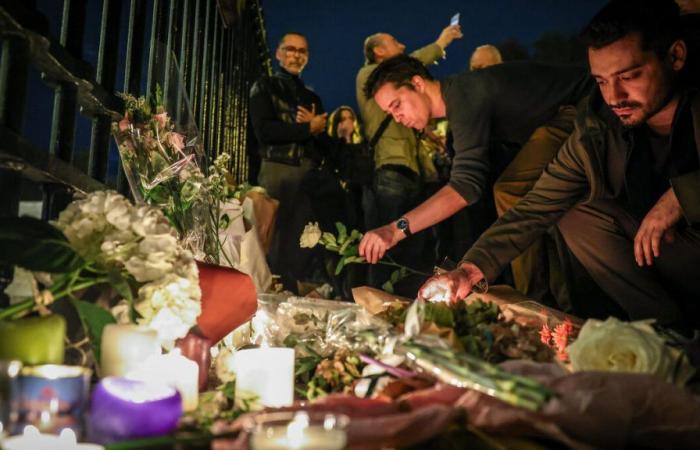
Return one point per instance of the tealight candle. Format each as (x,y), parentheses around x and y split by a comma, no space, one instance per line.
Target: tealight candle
(305,431)
(127,409)
(125,347)
(266,373)
(32,439)
(175,370)
(33,340)
(53,397)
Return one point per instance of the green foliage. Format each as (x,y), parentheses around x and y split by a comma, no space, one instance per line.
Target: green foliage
(94,319)
(36,246)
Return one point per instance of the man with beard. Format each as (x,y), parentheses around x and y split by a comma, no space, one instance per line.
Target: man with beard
(625,188)
(287,117)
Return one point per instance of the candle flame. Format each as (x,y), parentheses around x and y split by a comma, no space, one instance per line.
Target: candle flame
(296,429)
(31,430)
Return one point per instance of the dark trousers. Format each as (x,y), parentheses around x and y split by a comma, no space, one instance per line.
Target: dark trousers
(286,258)
(601,236)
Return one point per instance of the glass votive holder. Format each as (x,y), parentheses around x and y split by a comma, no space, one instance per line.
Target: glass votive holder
(9,395)
(53,397)
(298,430)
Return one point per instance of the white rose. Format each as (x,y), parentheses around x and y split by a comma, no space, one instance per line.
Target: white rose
(616,346)
(310,236)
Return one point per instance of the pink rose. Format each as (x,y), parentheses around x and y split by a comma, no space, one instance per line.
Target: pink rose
(124,123)
(175,140)
(161,118)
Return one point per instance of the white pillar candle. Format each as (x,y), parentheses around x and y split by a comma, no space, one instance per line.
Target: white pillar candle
(174,370)
(125,347)
(266,373)
(32,439)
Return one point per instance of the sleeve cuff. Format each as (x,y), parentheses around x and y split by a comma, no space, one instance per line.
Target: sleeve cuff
(484,261)
(468,192)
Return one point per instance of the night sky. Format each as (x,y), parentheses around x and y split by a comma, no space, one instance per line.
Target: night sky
(336,31)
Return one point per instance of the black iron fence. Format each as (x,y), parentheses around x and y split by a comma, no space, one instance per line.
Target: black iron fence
(62,62)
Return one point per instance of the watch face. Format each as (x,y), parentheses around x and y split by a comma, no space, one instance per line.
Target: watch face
(402,224)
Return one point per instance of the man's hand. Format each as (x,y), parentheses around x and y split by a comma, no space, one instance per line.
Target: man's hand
(448,35)
(375,243)
(452,286)
(658,223)
(304,115)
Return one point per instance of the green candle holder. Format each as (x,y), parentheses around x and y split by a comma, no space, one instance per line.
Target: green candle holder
(33,340)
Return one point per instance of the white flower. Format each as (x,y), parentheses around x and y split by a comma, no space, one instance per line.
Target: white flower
(310,236)
(148,267)
(120,311)
(118,211)
(615,346)
(170,306)
(224,366)
(147,220)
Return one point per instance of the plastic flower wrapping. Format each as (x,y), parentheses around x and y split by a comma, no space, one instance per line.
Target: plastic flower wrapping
(138,246)
(160,163)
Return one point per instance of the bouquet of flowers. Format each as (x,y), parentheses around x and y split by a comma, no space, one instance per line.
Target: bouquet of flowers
(161,167)
(102,244)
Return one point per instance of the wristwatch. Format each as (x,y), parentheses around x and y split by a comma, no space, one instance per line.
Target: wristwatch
(403,225)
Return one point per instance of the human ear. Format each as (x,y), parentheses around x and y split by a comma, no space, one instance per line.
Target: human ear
(677,54)
(418,83)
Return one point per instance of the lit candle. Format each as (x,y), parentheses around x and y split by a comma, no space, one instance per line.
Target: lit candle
(33,340)
(127,409)
(53,397)
(174,370)
(265,373)
(125,347)
(32,439)
(326,432)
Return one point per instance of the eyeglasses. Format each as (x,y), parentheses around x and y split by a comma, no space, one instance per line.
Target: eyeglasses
(289,49)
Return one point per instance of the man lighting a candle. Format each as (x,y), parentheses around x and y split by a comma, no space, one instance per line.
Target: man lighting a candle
(625,188)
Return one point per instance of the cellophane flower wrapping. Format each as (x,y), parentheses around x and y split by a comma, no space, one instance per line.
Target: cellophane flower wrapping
(160,160)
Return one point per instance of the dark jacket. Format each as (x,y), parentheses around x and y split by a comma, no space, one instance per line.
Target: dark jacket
(273,106)
(591,165)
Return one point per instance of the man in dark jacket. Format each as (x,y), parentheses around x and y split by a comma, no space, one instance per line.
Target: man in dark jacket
(286,117)
(527,105)
(625,187)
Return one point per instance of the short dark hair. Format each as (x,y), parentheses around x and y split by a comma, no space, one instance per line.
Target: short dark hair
(656,21)
(295,33)
(398,70)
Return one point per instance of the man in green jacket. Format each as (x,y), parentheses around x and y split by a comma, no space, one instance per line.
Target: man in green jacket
(625,188)
(397,181)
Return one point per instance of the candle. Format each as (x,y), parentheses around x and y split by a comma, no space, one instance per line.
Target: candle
(32,439)
(265,373)
(125,347)
(174,370)
(53,397)
(305,431)
(33,340)
(127,409)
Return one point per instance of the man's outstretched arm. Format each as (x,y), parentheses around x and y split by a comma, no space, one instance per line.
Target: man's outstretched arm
(443,204)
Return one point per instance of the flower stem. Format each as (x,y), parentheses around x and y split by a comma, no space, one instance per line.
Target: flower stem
(18,308)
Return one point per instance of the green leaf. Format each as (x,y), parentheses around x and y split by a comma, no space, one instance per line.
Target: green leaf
(94,318)
(342,232)
(340,266)
(388,287)
(121,285)
(36,245)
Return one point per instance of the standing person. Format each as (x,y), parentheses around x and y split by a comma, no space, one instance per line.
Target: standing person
(485,56)
(287,117)
(397,178)
(527,104)
(625,188)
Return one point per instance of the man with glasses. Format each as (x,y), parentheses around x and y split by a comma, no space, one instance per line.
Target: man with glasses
(287,117)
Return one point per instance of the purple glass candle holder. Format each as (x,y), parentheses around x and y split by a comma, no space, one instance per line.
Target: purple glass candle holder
(127,409)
